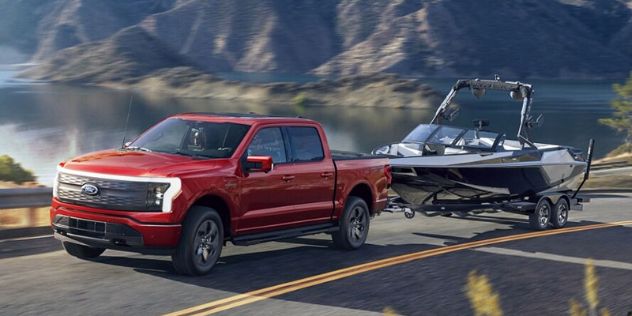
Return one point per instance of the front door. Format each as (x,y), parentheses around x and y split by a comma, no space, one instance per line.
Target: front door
(266,199)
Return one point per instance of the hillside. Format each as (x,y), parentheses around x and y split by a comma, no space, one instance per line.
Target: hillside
(518,39)
(128,54)
(369,90)
(38,28)
(478,38)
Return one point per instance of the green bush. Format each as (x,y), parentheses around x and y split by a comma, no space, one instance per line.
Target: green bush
(621,119)
(13,172)
(299,99)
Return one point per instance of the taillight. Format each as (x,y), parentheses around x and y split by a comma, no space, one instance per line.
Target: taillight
(387,173)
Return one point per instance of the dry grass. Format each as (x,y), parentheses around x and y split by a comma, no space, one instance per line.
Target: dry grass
(612,182)
(485,302)
(483,299)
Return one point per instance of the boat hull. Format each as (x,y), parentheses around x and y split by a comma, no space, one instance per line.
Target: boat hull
(495,177)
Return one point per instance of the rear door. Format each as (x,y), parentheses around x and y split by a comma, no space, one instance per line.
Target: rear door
(314,175)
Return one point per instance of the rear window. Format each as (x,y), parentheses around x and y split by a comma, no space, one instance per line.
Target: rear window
(306,144)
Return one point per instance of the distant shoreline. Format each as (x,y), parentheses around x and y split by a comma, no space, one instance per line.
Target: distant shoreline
(374,90)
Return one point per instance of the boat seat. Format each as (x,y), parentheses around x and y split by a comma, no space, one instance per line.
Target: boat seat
(454,151)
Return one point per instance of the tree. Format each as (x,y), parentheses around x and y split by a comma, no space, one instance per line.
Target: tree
(621,119)
(13,172)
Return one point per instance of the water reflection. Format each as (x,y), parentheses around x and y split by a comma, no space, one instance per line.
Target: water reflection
(42,125)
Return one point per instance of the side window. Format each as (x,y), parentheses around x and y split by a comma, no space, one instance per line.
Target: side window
(268,142)
(306,144)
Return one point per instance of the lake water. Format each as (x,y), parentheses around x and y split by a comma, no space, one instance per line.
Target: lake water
(43,124)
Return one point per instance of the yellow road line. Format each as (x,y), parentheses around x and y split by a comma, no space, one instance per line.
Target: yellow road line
(276,290)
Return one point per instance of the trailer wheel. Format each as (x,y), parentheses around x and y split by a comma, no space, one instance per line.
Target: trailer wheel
(354,225)
(559,217)
(541,216)
(200,243)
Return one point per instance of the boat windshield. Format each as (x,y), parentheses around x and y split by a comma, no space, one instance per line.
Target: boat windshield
(449,136)
(421,133)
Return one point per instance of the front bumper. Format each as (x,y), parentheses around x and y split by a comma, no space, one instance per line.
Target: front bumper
(112,231)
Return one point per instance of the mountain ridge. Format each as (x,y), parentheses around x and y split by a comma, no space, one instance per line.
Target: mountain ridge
(520,39)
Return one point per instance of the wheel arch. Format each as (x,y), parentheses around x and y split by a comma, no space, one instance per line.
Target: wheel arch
(363,191)
(220,206)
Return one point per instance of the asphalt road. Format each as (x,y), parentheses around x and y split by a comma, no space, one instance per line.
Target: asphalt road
(533,276)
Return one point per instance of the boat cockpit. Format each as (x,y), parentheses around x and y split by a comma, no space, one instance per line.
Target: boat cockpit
(431,139)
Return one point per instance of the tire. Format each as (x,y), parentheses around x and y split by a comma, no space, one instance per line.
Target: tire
(446,214)
(541,216)
(200,243)
(80,251)
(559,216)
(354,225)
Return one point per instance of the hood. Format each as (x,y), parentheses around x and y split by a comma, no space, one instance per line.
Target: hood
(137,163)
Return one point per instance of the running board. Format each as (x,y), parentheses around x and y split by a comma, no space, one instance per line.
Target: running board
(253,239)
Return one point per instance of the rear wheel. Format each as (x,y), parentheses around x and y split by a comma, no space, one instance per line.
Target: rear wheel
(80,251)
(559,217)
(201,242)
(354,225)
(540,218)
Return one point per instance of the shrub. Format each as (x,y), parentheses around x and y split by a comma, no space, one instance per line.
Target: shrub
(13,172)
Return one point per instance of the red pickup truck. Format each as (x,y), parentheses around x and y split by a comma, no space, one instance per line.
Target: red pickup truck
(194,181)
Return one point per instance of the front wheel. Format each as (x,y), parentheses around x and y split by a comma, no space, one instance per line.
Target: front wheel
(80,251)
(200,243)
(354,225)
(541,216)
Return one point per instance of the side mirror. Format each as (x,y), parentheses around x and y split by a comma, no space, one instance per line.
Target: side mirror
(258,164)
(127,144)
(481,123)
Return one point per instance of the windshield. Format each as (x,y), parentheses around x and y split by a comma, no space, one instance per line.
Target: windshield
(192,138)
(421,133)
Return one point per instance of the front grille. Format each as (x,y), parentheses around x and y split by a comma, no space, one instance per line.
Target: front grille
(113,194)
(102,183)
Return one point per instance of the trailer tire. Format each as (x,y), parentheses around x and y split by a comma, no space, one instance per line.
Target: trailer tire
(559,216)
(354,225)
(541,216)
(200,243)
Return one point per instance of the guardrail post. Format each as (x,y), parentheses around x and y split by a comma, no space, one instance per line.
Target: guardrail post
(32,217)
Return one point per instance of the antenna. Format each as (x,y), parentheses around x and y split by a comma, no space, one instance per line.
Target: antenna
(129,109)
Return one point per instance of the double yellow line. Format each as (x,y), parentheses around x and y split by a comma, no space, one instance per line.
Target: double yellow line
(262,294)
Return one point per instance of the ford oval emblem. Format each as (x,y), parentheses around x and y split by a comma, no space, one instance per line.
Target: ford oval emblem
(89,189)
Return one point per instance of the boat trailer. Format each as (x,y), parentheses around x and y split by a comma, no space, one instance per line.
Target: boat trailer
(543,210)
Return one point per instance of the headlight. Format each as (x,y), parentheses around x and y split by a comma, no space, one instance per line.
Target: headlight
(155,195)
(56,184)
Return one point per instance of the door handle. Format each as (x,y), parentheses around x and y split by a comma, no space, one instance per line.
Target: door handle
(287,178)
(327,174)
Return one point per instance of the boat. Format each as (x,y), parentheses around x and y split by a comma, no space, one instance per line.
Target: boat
(443,168)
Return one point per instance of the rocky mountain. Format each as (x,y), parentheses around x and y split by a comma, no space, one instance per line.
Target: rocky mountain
(128,54)
(38,28)
(517,39)
(526,38)
(251,35)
